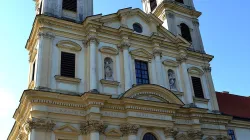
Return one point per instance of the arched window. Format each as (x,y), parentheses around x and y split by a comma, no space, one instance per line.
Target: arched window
(153,4)
(185,32)
(172,80)
(108,69)
(180,1)
(149,136)
(137,27)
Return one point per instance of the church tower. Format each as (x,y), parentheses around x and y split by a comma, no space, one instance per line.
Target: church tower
(73,10)
(179,17)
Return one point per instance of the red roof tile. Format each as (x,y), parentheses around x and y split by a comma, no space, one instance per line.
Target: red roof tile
(234,105)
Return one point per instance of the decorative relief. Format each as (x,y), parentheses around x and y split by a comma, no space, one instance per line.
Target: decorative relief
(92,38)
(92,126)
(223,138)
(180,121)
(182,57)
(149,109)
(66,111)
(113,114)
(21,136)
(41,124)
(149,116)
(195,134)
(70,45)
(125,44)
(129,129)
(135,96)
(207,68)
(157,52)
(181,136)
(170,132)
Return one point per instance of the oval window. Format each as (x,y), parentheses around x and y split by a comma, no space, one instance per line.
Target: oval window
(137,27)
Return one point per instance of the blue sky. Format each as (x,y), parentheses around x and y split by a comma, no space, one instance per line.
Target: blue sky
(224,27)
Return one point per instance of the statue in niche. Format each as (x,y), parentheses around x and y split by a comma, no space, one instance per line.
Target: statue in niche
(172,80)
(108,69)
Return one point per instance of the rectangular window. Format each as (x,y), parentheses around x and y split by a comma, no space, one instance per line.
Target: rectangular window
(153,4)
(198,91)
(33,71)
(141,69)
(70,5)
(68,64)
(231,134)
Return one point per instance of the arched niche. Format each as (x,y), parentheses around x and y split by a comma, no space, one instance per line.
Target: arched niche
(152,93)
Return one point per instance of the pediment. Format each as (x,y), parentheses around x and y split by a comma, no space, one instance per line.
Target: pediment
(109,50)
(113,133)
(141,53)
(153,93)
(69,45)
(170,63)
(67,129)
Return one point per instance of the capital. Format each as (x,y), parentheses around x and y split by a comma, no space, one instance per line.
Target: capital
(125,44)
(196,23)
(47,35)
(40,124)
(157,52)
(92,38)
(170,15)
(170,132)
(207,68)
(195,134)
(92,126)
(129,129)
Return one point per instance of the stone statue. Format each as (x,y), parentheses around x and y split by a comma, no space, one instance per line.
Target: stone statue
(172,80)
(108,69)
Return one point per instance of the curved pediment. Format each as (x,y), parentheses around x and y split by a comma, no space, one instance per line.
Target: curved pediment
(70,45)
(108,50)
(152,93)
(170,63)
(195,70)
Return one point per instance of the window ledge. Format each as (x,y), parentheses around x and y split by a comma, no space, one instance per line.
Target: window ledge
(110,83)
(201,100)
(67,79)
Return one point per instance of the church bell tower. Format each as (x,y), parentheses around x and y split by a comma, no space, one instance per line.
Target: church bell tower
(179,17)
(72,10)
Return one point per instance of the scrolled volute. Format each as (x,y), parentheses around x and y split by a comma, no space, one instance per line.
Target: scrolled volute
(129,129)
(46,125)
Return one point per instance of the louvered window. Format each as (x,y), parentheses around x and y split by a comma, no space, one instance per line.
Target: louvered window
(185,32)
(141,69)
(231,134)
(198,91)
(40,9)
(180,1)
(70,5)
(68,64)
(33,71)
(153,4)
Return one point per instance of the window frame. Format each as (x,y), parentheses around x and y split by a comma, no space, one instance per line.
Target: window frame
(139,25)
(76,56)
(147,70)
(189,31)
(202,87)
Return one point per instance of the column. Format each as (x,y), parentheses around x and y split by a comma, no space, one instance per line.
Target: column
(157,54)
(39,129)
(93,128)
(170,133)
(125,47)
(188,94)
(44,60)
(93,57)
(207,72)
(129,130)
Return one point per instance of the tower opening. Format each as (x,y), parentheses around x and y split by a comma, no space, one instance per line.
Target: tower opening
(70,5)
(149,136)
(153,4)
(180,1)
(185,32)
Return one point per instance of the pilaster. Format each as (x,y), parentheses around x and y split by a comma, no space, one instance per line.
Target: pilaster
(44,60)
(129,130)
(93,128)
(157,56)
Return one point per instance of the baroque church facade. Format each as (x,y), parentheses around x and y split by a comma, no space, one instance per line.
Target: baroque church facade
(130,75)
